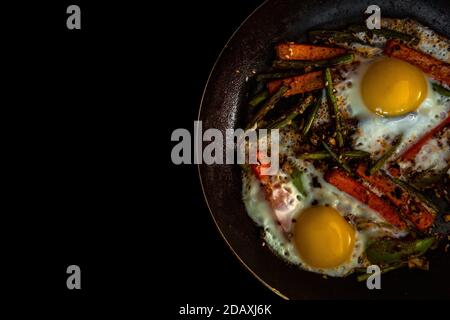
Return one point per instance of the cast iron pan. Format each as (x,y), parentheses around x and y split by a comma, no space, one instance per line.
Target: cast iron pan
(251,48)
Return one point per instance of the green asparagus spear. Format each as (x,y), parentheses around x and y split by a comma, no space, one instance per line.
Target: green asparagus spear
(392,34)
(441,90)
(420,181)
(384,32)
(356,154)
(336,36)
(296,177)
(300,64)
(320,155)
(312,115)
(333,104)
(380,162)
(337,158)
(287,119)
(395,250)
(385,269)
(356,28)
(260,97)
(278,75)
(269,105)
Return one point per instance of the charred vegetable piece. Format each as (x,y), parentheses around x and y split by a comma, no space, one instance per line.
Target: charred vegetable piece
(335,36)
(380,162)
(395,250)
(411,209)
(259,98)
(299,84)
(337,158)
(303,51)
(334,107)
(417,194)
(312,115)
(441,90)
(427,178)
(357,190)
(301,64)
(269,105)
(286,120)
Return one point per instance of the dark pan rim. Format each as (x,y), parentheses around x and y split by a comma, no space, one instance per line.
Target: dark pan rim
(253,273)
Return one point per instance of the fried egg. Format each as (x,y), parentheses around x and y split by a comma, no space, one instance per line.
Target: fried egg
(338,246)
(390,97)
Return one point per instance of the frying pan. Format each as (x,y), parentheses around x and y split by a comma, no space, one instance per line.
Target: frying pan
(250,50)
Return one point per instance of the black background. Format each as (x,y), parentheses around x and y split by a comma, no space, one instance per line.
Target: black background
(211,272)
(92,117)
(91,180)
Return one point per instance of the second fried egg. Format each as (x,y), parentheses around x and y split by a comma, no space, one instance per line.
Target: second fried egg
(390,97)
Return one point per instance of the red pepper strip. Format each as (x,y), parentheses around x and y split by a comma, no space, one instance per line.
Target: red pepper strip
(412,151)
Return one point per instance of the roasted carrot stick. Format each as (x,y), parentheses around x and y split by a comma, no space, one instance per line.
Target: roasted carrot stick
(301,51)
(410,208)
(412,151)
(298,84)
(437,69)
(343,182)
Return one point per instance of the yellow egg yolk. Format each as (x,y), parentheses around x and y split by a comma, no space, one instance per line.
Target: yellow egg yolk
(323,238)
(392,87)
